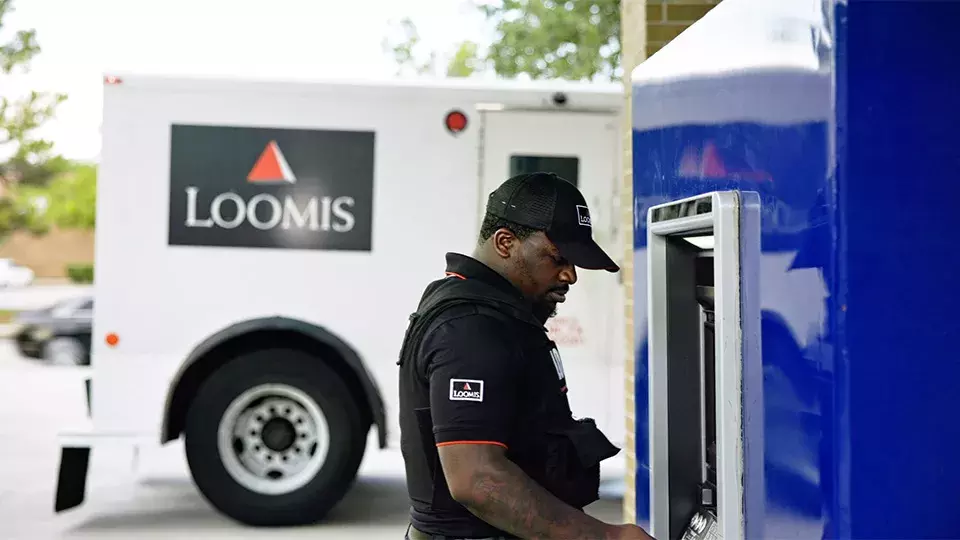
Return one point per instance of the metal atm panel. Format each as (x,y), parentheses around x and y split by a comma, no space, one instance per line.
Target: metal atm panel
(696,251)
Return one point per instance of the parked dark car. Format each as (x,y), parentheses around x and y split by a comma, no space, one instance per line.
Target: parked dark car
(58,334)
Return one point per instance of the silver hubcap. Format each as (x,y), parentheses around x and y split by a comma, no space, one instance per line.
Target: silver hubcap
(64,351)
(273,439)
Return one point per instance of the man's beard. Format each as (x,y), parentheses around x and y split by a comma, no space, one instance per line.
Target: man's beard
(544,310)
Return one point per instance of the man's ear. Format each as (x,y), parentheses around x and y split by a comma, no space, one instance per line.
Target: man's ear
(504,243)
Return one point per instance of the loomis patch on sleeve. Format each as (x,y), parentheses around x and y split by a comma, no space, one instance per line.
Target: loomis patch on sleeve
(466,390)
(474,387)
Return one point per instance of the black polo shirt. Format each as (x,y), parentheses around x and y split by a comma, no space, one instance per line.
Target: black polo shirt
(467,373)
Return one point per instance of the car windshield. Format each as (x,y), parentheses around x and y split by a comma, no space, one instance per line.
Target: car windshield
(71,305)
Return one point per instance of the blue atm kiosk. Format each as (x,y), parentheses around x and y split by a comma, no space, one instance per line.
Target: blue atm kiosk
(797,256)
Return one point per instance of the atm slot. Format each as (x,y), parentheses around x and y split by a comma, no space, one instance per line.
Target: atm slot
(708,409)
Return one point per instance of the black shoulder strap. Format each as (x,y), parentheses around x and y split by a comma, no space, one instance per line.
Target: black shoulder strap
(455,291)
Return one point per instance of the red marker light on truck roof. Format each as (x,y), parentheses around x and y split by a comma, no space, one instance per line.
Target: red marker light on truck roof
(456,122)
(112,339)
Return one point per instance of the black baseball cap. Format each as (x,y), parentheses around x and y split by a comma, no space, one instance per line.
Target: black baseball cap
(549,203)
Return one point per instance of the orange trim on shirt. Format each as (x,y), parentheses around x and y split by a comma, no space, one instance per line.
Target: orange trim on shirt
(470,442)
(454,274)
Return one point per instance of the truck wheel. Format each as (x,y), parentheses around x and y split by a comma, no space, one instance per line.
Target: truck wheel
(273,438)
(65,351)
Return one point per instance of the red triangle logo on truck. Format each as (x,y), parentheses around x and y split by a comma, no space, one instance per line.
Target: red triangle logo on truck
(271,167)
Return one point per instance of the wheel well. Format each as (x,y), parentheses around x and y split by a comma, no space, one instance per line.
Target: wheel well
(209,362)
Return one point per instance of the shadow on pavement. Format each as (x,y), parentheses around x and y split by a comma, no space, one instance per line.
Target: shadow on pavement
(170,505)
(175,504)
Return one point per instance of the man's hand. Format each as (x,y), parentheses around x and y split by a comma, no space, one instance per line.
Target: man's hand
(485,482)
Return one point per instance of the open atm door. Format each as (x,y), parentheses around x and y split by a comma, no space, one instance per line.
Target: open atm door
(696,252)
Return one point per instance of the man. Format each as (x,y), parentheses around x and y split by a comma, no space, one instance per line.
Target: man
(490,445)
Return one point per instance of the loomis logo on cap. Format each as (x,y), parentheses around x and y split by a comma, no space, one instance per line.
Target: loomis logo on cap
(466,390)
(583,215)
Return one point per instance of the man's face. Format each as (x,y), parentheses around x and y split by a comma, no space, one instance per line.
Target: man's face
(540,272)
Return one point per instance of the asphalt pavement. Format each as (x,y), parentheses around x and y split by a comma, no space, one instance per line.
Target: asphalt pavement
(160,501)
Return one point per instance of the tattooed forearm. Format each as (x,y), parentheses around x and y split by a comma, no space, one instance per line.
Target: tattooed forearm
(511,501)
(501,494)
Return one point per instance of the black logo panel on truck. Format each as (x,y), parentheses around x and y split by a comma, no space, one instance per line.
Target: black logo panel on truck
(271,188)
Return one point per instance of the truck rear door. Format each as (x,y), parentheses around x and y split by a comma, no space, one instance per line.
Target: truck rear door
(581,147)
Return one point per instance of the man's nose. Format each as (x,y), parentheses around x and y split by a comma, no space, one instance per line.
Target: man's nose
(569,274)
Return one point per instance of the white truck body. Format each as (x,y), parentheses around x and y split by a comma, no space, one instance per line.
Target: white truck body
(351,218)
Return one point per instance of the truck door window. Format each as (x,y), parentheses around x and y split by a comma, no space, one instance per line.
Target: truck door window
(567,167)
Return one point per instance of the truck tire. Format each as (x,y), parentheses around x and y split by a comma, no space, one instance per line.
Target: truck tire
(66,350)
(273,438)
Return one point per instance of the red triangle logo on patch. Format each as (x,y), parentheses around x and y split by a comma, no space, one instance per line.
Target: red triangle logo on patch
(466,386)
(271,166)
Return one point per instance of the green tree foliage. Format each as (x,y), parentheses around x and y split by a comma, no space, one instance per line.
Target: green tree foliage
(404,50)
(465,61)
(15,215)
(68,201)
(541,39)
(546,39)
(71,199)
(40,188)
(32,160)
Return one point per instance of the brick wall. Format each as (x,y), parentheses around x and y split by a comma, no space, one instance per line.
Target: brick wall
(647,25)
(48,255)
(633,46)
(667,18)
